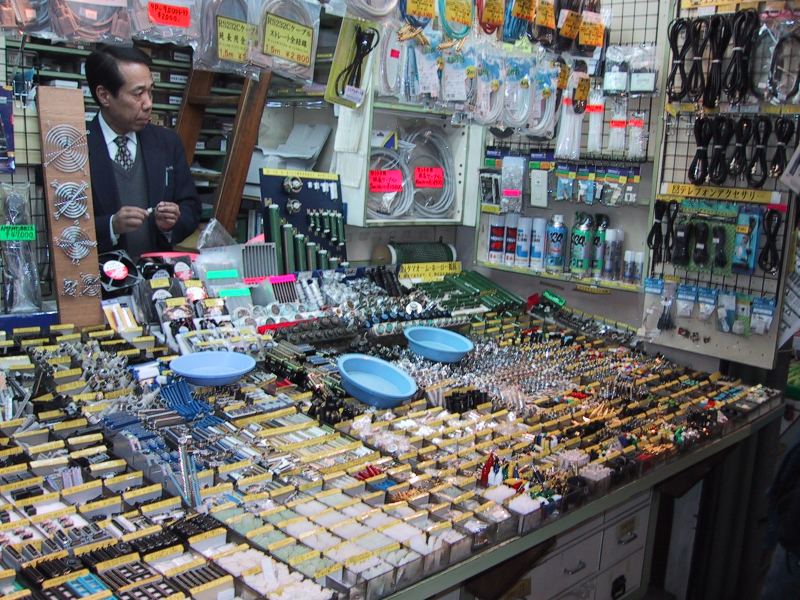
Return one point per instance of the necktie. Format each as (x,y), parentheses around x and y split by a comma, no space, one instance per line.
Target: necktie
(123,158)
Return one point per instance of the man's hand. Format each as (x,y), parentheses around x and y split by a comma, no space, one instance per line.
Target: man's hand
(167,214)
(127,219)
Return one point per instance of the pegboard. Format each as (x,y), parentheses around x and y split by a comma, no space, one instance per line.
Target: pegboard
(311,203)
(678,149)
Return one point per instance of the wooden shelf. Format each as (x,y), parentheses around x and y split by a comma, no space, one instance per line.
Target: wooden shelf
(566,277)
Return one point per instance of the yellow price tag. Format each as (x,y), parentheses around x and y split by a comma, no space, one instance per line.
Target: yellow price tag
(288,39)
(592,29)
(163,282)
(432,271)
(421,8)
(458,11)
(232,38)
(569,23)
(494,12)
(524,9)
(546,14)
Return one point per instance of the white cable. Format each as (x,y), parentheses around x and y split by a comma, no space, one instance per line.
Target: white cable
(596,110)
(297,11)
(546,123)
(372,8)
(392,56)
(425,203)
(517,104)
(390,205)
(489,103)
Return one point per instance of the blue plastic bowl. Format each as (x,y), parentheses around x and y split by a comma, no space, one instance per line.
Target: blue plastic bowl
(441,345)
(216,367)
(375,381)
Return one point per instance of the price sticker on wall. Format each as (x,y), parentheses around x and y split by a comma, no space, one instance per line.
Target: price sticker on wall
(169,14)
(385,181)
(420,8)
(232,38)
(17,233)
(429,177)
(288,39)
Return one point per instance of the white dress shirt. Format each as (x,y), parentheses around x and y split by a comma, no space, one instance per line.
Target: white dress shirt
(110,135)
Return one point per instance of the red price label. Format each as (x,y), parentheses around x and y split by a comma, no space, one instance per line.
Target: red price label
(167,14)
(429,177)
(385,181)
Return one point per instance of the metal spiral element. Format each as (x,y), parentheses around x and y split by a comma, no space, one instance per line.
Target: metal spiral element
(75,243)
(70,199)
(65,148)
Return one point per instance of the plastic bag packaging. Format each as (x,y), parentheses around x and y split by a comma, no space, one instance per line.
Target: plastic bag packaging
(286,42)
(616,133)
(106,21)
(512,182)
(544,100)
(592,31)
(430,161)
(741,323)
(517,91)
(726,311)
(643,67)
(762,315)
(390,61)
(490,92)
(568,141)
(225,36)
(421,82)
(687,298)
(565,182)
(214,236)
(596,110)
(617,67)
(637,137)
(167,21)
(21,293)
(34,18)
(586,184)
(706,303)
(8,16)
(456,89)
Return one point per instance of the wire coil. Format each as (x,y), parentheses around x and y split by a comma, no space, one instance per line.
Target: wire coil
(65,148)
(70,199)
(75,243)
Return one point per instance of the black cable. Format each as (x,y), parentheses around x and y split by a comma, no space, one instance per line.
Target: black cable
(736,82)
(696,79)
(366,40)
(738,160)
(722,128)
(542,34)
(759,63)
(703,134)
(700,243)
(784,130)
(719,34)
(669,235)
(719,239)
(665,321)
(676,81)
(780,65)
(769,258)
(683,234)
(756,172)
(655,239)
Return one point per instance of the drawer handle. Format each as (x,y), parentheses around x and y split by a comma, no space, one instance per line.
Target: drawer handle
(581,566)
(627,538)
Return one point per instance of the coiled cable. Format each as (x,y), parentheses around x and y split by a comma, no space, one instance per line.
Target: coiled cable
(756,173)
(722,128)
(743,131)
(517,102)
(297,11)
(390,205)
(207,54)
(700,242)
(783,67)
(414,21)
(366,40)
(698,169)
(513,28)
(696,78)
(655,239)
(719,34)
(455,33)
(677,78)
(680,252)
(432,148)
(769,257)
(736,81)
(376,9)
(784,130)
(390,83)
(669,234)
(719,241)
(544,127)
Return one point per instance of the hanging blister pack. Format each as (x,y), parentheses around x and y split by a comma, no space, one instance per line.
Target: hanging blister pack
(225,38)
(706,303)
(489,93)
(763,313)
(745,246)
(687,298)
(422,76)
(586,184)
(615,76)
(741,323)
(565,182)
(726,311)
(517,91)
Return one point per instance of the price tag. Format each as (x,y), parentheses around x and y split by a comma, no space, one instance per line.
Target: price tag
(383,181)
(569,23)
(458,11)
(288,39)
(592,29)
(169,15)
(434,271)
(546,14)
(429,177)
(582,89)
(494,12)
(17,233)
(421,8)
(232,38)
(563,77)
(524,9)
(354,94)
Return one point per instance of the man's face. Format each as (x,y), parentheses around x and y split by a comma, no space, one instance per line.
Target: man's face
(130,109)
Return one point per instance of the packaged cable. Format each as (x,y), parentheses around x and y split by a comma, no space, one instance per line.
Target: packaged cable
(34,18)
(706,303)
(596,110)
(643,70)
(637,137)
(106,21)
(21,293)
(619,121)
(167,21)
(390,191)
(489,89)
(348,79)
(517,103)
(286,42)
(421,76)
(617,68)
(687,298)
(431,163)
(225,36)
(389,62)
(763,313)
(573,108)
(457,80)
(592,31)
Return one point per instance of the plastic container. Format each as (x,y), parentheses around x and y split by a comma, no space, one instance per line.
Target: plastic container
(441,345)
(216,367)
(375,381)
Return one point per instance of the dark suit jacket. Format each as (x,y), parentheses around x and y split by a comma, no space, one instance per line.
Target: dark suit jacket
(168,178)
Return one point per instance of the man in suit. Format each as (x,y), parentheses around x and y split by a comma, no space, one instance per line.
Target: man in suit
(143,193)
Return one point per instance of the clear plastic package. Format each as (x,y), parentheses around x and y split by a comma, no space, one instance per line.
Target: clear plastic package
(619,121)
(643,66)
(489,91)
(34,18)
(517,91)
(544,102)
(106,21)
(225,37)
(617,68)
(21,292)
(637,137)
(596,110)
(286,42)
(167,21)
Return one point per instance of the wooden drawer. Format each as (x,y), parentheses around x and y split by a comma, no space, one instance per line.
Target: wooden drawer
(624,537)
(566,568)
(622,579)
